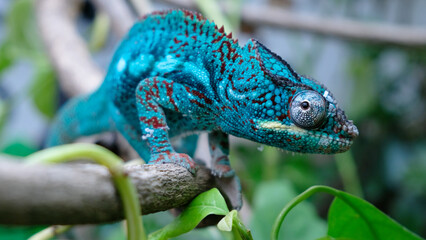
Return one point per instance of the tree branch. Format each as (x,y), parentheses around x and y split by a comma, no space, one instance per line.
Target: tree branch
(84,193)
(67,50)
(349,29)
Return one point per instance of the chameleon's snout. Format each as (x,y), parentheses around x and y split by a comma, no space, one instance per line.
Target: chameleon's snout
(351,129)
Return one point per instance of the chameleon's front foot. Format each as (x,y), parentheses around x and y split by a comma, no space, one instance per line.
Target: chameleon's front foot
(180,159)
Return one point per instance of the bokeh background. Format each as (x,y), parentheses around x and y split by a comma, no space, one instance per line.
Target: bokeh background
(381,86)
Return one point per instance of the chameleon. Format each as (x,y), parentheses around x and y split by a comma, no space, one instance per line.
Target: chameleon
(176,73)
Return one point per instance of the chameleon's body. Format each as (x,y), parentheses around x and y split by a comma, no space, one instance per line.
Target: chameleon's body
(176,72)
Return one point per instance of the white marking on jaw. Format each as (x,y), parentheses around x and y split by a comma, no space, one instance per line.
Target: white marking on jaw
(121,65)
(324,142)
(280,127)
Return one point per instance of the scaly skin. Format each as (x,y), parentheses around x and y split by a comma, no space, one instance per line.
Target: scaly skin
(177,73)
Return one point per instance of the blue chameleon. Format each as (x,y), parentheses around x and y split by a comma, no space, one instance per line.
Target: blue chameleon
(177,73)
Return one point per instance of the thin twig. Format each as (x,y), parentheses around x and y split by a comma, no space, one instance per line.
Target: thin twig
(344,28)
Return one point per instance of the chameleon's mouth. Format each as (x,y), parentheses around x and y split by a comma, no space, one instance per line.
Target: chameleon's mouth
(312,141)
(326,141)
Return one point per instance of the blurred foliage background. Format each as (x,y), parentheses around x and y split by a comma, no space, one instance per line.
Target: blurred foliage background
(382,87)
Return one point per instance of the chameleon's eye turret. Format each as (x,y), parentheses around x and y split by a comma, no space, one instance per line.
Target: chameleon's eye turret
(308,109)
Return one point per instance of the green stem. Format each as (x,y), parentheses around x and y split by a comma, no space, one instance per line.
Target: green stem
(114,164)
(243,232)
(347,169)
(50,232)
(306,194)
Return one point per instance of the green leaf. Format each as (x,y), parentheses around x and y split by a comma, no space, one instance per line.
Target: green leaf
(4,113)
(301,223)
(18,232)
(354,218)
(231,222)
(43,91)
(22,28)
(18,148)
(225,224)
(209,202)
(332,238)
(6,58)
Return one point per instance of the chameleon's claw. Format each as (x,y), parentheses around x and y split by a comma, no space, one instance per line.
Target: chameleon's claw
(222,168)
(180,159)
(223,174)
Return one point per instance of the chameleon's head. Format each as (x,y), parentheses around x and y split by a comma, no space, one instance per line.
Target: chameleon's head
(294,112)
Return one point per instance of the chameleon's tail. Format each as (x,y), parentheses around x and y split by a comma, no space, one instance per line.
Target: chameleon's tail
(81,116)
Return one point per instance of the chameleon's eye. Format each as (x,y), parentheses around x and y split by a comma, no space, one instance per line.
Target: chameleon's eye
(308,109)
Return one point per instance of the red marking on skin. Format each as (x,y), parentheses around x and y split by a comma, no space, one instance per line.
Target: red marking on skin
(194,37)
(288,140)
(226,95)
(240,62)
(201,28)
(249,79)
(153,121)
(281,117)
(202,96)
(251,121)
(221,29)
(177,55)
(163,142)
(254,128)
(222,66)
(297,138)
(213,147)
(235,57)
(235,107)
(221,158)
(197,103)
(230,49)
(169,92)
(191,15)
(218,39)
(176,40)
